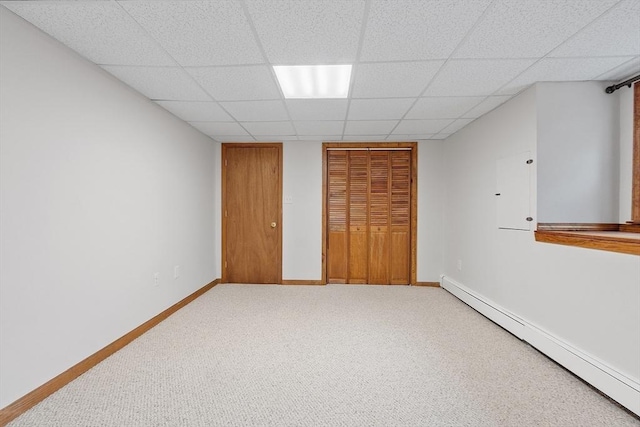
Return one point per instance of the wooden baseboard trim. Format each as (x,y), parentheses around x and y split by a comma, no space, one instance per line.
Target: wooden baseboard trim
(430,284)
(303,282)
(29,400)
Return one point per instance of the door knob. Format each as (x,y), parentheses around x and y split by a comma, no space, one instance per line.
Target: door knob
(273,225)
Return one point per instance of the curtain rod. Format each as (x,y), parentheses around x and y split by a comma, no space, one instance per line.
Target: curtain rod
(628,82)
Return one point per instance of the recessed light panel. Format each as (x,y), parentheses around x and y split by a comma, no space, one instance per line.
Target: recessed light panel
(314,81)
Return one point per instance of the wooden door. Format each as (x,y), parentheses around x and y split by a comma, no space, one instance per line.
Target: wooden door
(252,213)
(369,216)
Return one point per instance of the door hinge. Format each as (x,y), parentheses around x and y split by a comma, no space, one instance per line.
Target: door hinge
(225,214)
(225,162)
(225,264)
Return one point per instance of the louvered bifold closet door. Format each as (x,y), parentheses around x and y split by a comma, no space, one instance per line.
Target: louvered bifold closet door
(358,217)
(400,217)
(369,217)
(379,214)
(337,243)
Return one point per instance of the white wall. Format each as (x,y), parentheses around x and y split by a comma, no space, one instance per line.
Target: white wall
(217,202)
(588,299)
(625,97)
(302,219)
(431,172)
(100,188)
(578,173)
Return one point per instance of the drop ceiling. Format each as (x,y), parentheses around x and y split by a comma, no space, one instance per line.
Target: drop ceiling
(423,69)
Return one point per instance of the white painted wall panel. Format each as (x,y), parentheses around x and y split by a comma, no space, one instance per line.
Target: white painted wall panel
(512,192)
(100,188)
(625,96)
(302,217)
(578,153)
(589,299)
(431,192)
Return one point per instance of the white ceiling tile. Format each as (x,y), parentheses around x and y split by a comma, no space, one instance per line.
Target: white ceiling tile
(219,128)
(296,32)
(237,83)
(196,111)
(393,80)
(330,127)
(269,128)
(365,138)
(162,83)
(475,77)
(526,29)
(561,69)
(369,127)
(623,72)
(320,137)
(456,126)
(199,32)
(100,31)
(407,127)
(617,33)
(379,109)
(441,136)
(256,111)
(317,109)
(417,29)
(485,106)
(442,107)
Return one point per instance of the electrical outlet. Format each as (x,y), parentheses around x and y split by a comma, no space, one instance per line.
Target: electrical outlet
(288,200)
(156,279)
(176,272)
(459,265)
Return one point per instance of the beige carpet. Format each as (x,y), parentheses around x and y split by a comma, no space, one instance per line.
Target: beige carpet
(244,355)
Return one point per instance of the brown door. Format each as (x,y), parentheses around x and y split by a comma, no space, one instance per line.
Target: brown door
(252,214)
(369,216)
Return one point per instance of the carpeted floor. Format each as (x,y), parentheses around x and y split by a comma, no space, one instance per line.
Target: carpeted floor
(244,355)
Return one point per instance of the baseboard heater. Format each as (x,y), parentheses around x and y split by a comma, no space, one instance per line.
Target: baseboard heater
(613,383)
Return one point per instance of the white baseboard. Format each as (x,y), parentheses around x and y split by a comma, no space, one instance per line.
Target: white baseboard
(613,383)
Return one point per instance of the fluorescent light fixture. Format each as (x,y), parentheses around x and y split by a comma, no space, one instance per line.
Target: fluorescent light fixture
(314,81)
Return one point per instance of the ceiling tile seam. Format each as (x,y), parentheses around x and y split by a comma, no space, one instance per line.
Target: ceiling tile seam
(159,45)
(272,73)
(587,25)
(446,61)
(633,58)
(546,55)
(193,80)
(354,66)
(251,64)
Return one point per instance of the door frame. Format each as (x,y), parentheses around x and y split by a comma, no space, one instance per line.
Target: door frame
(225,146)
(413,232)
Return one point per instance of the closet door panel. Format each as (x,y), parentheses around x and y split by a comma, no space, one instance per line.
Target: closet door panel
(400,217)
(379,241)
(358,216)
(337,244)
(399,257)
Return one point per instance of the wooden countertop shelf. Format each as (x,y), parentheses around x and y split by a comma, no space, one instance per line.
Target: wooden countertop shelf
(606,237)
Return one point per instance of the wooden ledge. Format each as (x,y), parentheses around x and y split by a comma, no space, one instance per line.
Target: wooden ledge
(592,236)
